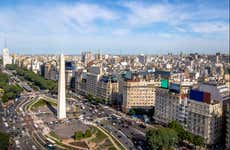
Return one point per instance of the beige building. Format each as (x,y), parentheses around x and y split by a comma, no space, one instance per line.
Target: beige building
(167,106)
(205,120)
(138,94)
(202,118)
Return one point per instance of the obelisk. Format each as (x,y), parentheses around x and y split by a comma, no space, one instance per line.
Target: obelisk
(61,113)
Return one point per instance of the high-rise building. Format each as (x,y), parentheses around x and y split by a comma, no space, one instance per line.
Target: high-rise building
(93,76)
(69,73)
(7,59)
(86,57)
(61,113)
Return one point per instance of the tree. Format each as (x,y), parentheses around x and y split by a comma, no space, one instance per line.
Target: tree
(185,135)
(78,135)
(162,138)
(179,129)
(198,140)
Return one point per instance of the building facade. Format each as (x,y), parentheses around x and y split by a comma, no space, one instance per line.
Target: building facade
(193,109)
(7,59)
(205,120)
(138,94)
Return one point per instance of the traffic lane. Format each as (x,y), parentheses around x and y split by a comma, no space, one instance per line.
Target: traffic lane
(131,133)
(121,137)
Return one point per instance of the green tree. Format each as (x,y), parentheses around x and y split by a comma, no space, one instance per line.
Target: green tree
(198,140)
(178,128)
(78,135)
(162,138)
(185,135)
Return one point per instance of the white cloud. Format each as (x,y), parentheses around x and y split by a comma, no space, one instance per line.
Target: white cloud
(210,27)
(121,32)
(79,18)
(85,14)
(154,13)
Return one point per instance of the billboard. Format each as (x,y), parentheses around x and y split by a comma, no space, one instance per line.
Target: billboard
(196,95)
(200,96)
(173,87)
(164,83)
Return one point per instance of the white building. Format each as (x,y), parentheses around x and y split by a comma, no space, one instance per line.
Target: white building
(7,59)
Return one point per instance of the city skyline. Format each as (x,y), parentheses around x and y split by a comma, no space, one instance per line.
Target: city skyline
(120,27)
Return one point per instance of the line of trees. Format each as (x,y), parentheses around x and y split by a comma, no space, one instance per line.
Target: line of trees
(38,80)
(94,100)
(10,91)
(169,137)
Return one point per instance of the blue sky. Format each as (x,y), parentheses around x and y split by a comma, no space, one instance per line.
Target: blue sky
(122,26)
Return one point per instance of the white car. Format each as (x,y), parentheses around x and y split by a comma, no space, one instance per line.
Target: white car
(34,147)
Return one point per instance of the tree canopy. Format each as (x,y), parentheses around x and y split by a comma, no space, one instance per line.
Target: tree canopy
(185,135)
(162,138)
(10,91)
(36,79)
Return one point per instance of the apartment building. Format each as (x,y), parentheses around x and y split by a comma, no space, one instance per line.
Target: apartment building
(138,94)
(107,88)
(171,103)
(193,109)
(205,119)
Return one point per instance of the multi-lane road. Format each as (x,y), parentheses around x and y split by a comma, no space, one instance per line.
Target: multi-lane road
(129,132)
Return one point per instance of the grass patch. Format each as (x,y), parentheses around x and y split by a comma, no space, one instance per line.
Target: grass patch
(100,136)
(42,102)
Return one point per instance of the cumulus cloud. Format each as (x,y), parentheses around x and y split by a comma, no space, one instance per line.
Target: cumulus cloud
(143,14)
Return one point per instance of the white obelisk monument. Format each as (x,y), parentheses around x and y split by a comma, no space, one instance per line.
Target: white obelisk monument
(61,111)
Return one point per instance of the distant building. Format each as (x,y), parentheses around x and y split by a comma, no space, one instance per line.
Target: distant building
(7,59)
(86,57)
(141,59)
(69,72)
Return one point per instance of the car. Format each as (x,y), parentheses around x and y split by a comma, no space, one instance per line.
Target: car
(34,147)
